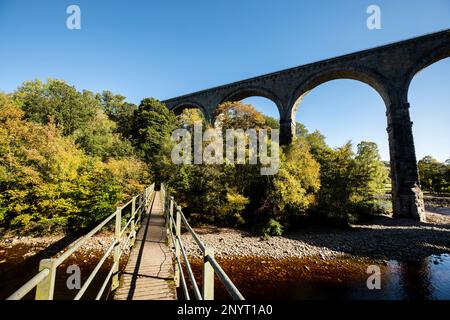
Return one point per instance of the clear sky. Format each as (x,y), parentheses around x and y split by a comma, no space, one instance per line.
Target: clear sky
(168,48)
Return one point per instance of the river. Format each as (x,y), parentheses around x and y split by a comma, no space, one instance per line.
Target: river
(341,279)
(271,279)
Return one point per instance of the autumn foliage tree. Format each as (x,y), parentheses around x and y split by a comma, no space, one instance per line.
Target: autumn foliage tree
(68,157)
(237,194)
(53,179)
(314,180)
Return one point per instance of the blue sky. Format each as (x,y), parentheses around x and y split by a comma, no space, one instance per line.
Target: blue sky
(168,48)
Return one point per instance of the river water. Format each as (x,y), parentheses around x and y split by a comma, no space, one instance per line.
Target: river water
(342,279)
(15,271)
(271,279)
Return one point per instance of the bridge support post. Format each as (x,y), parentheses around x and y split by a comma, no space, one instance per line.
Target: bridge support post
(46,288)
(407,197)
(208,275)
(177,245)
(287,131)
(115,277)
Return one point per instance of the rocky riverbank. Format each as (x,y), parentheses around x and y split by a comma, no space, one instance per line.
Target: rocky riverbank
(314,253)
(20,257)
(16,249)
(383,238)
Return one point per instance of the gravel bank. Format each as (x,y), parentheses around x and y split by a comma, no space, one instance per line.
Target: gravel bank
(383,238)
(14,250)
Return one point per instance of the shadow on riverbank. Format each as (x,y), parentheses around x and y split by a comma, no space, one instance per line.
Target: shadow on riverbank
(18,268)
(382,238)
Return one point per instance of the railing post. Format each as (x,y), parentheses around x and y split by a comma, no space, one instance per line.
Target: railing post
(208,275)
(177,245)
(145,200)
(115,277)
(141,208)
(169,220)
(163,197)
(166,203)
(133,223)
(46,288)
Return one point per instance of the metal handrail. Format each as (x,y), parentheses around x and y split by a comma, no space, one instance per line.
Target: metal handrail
(183,281)
(229,285)
(27,287)
(210,265)
(94,272)
(197,293)
(44,280)
(108,277)
(82,240)
(194,235)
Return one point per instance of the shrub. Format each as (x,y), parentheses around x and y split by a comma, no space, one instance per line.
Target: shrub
(273,228)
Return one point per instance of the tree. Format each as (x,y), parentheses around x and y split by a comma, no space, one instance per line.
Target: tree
(119,111)
(99,139)
(49,184)
(189,117)
(37,170)
(294,188)
(272,122)
(57,102)
(318,145)
(152,131)
(237,115)
(370,174)
(336,187)
(301,130)
(433,175)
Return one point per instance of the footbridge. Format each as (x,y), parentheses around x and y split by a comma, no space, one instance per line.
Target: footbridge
(148,226)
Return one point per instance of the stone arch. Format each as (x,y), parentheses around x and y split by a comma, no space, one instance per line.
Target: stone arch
(178,108)
(371,78)
(252,91)
(424,62)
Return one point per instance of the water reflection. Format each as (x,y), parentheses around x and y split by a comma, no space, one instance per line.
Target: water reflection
(415,279)
(293,279)
(340,279)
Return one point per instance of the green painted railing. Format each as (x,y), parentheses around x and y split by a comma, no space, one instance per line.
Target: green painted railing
(175,219)
(44,280)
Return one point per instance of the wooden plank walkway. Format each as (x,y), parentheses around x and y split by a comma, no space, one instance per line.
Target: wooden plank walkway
(149,273)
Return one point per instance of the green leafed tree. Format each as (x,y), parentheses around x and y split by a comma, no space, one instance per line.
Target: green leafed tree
(370,174)
(152,131)
(272,122)
(434,175)
(119,111)
(99,138)
(57,102)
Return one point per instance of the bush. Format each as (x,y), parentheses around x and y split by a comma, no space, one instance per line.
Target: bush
(273,228)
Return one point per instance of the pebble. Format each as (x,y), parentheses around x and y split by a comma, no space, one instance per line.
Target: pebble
(392,239)
(384,240)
